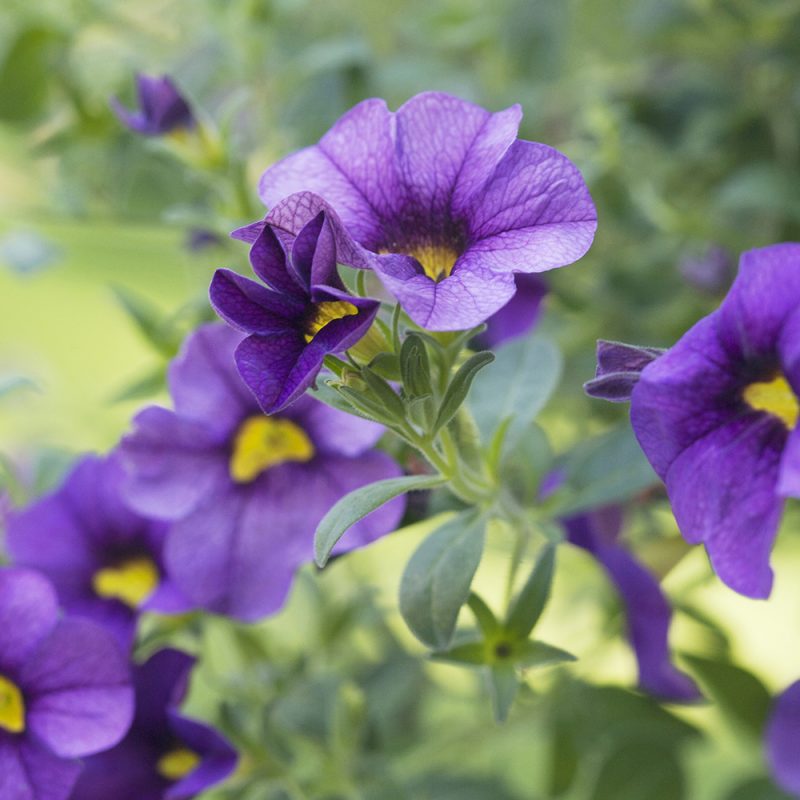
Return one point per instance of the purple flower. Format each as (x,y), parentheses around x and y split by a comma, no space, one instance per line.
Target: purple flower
(716,416)
(618,369)
(161,110)
(304,315)
(782,738)
(518,316)
(246,491)
(445,203)
(65,691)
(165,756)
(710,272)
(105,561)
(647,609)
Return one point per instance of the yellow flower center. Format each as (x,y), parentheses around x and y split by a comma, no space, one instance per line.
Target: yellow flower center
(775,397)
(130,582)
(437,262)
(264,442)
(12,707)
(177,764)
(325,312)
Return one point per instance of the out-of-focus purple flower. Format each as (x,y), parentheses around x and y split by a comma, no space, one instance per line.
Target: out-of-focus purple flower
(201,238)
(710,272)
(165,756)
(518,316)
(782,739)
(65,691)
(246,491)
(647,610)
(162,108)
(618,369)
(445,203)
(304,315)
(716,416)
(105,561)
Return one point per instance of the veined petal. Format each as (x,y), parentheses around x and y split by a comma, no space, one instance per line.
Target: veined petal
(314,253)
(269,258)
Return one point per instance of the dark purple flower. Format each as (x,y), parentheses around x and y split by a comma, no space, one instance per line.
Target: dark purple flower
(246,491)
(710,272)
(716,416)
(105,561)
(445,203)
(162,109)
(165,756)
(647,610)
(782,739)
(65,691)
(304,315)
(618,369)
(518,316)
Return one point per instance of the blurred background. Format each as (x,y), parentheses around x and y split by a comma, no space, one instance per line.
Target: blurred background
(684,117)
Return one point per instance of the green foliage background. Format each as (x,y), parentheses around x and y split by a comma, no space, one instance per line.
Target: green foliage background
(684,116)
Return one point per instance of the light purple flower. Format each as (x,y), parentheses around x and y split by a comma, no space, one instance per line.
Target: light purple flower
(245,491)
(647,610)
(165,756)
(443,201)
(716,416)
(105,561)
(162,108)
(65,691)
(305,315)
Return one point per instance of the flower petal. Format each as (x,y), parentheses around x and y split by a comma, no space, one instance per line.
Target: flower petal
(172,463)
(28,613)
(249,306)
(314,253)
(77,683)
(29,771)
(203,380)
(518,315)
(783,739)
(269,260)
(352,167)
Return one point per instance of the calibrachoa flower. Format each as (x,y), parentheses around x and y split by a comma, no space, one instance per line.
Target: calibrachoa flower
(782,739)
(647,610)
(162,109)
(165,756)
(65,691)
(716,416)
(246,491)
(518,316)
(105,560)
(304,316)
(444,202)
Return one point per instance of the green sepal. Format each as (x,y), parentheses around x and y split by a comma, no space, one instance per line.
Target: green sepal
(530,602)
(415,368)
(387,365)
(503,687)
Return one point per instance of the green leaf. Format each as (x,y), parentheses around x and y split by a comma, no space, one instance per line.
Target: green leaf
(326,393)
(757,789)
(640,770)
(356,505)
(503,687)
(148,319)
(366,406)
(148,385)
(13,383)
(387,365)
(526,461)
(530,602)
(437,578)
(459,387)
(518,385)
(607,469)
(740,695)
(473,653)
(484,615)
(415,368)
(532,653)
(386,396)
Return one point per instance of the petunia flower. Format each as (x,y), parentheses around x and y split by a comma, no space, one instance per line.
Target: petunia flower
(518,316)
(443,201)
(162,108)
(304,315)
(65,690)
(245,491)
(165,756)
(647,610)
(716,416)
(105,561)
